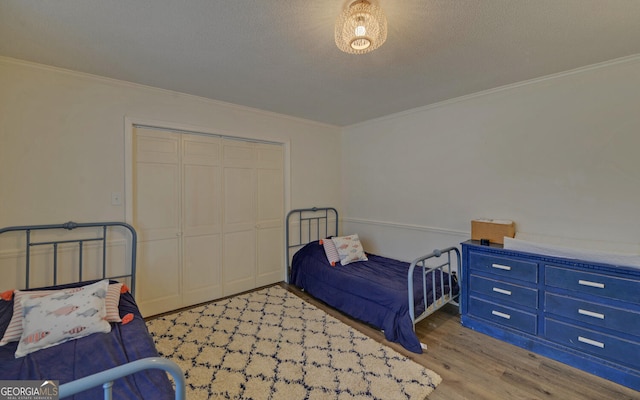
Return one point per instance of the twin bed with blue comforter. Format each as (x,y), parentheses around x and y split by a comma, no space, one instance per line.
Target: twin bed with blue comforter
(389,294)
(120,361)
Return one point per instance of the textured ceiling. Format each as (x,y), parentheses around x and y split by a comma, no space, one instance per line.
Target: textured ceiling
(279,55)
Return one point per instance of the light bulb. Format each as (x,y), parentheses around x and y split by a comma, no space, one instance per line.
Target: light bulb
(361,30)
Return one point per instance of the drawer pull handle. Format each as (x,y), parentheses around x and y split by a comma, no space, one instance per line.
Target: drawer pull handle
(591,342)
(502,267)
(500,314)
(502,291)
(591,284)
(590,313)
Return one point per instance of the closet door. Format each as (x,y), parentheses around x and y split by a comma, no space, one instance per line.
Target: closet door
(177,213)
(239,246)
(270,214)
(201,218)
(209,213)
(157,220)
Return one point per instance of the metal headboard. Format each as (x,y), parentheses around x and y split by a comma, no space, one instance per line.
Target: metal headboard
(310,222)
(101,237)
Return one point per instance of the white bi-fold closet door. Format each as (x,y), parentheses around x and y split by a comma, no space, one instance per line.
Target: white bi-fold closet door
(209,213)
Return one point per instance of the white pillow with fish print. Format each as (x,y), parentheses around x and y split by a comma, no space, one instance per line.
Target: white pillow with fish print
(58,318)
(349,249)
(14,330)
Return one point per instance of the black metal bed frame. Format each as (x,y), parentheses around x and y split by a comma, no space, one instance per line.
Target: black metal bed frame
(307,218)
(27,229)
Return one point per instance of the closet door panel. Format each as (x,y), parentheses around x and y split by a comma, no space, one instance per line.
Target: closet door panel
(157,181)
(270,195)
(269,156)
(158,287)
(239,200)
(201,150)
(270,267)
(270,232)
(202,200)
(239,216)
(201,222)
(237,153)
(239,230)
(156,216)
(202,268)
(153,146)
(239,184)
(201,185)
(239,262)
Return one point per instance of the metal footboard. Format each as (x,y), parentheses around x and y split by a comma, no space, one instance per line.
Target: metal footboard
(106,378)
(430,274)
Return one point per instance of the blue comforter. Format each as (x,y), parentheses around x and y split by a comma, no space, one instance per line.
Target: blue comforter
(94,353)
(373,291)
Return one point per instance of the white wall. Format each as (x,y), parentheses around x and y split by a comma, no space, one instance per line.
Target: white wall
(62,142)
(557,155)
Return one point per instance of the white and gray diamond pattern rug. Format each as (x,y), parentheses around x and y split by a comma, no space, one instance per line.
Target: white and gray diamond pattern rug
(270,344)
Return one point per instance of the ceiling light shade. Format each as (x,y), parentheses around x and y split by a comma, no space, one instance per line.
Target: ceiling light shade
(361,28)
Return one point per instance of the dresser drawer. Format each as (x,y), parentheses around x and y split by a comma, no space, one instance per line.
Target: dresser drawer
(592,313)
(592,283)
(503,291)
(503,315)
(599,344)
(504,266)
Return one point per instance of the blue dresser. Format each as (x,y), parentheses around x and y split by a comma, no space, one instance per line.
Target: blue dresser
(583,314)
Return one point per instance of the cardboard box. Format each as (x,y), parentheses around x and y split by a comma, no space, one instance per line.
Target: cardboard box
(493,229)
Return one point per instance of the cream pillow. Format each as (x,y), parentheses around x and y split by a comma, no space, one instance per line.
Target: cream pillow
(349,249)
(60,317)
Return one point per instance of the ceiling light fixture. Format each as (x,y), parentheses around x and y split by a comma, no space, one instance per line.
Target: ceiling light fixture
(361,28)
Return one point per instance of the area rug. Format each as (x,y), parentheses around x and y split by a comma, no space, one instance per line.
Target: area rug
(270,344)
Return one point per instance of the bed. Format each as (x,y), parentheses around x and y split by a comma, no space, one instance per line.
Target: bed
(388,294)
(120,363)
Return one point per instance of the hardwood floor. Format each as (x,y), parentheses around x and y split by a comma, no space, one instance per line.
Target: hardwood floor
(478,367)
